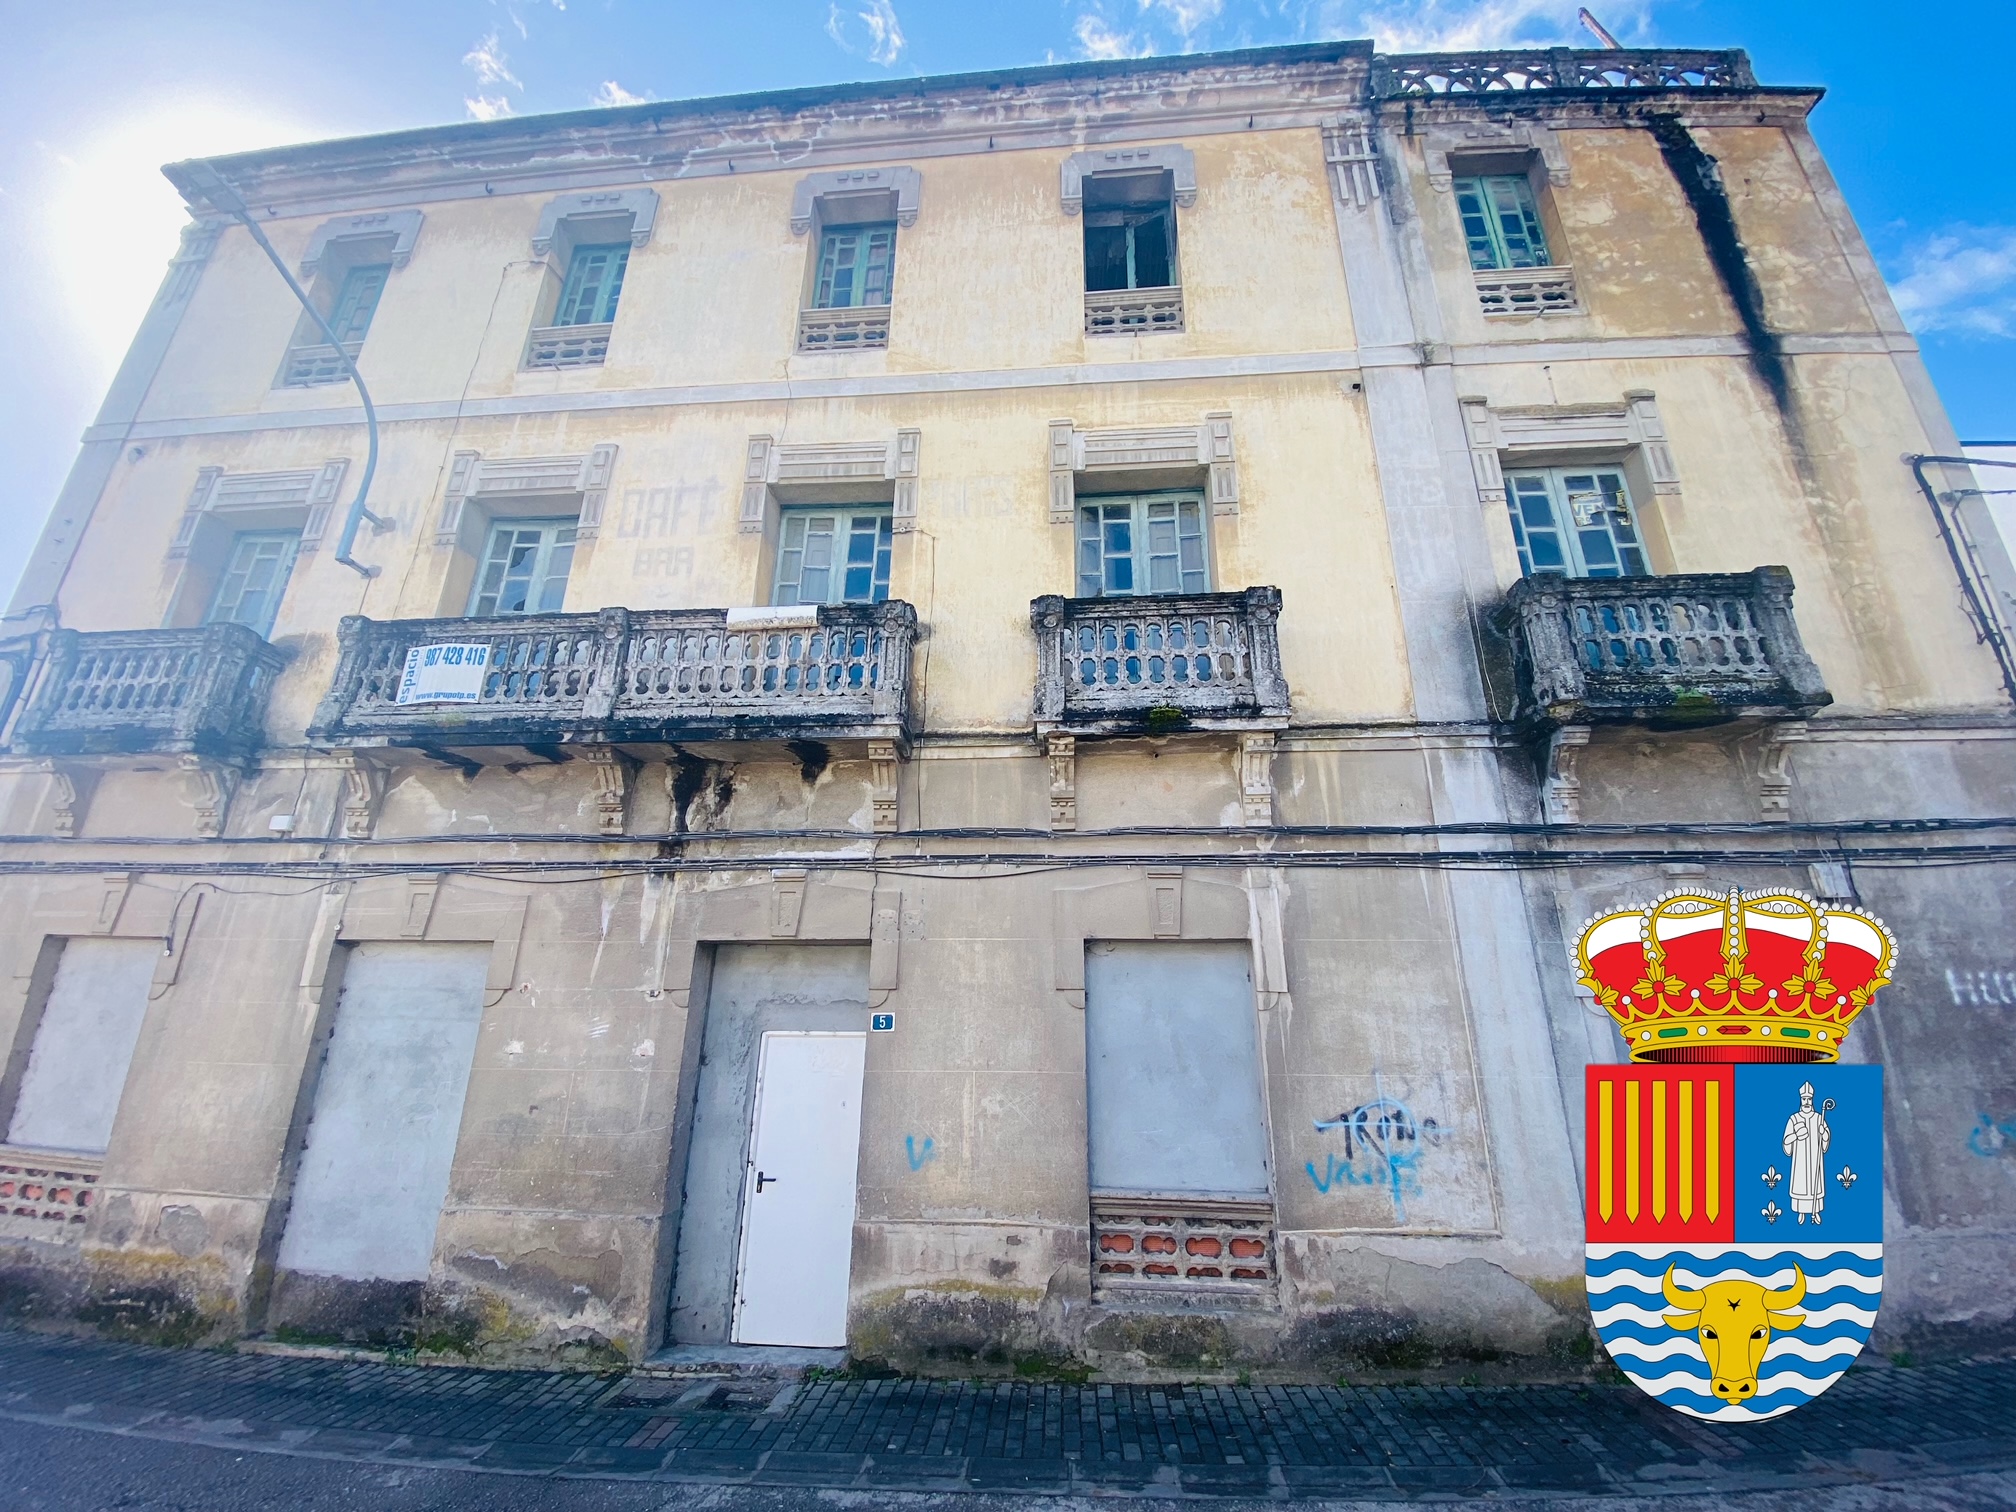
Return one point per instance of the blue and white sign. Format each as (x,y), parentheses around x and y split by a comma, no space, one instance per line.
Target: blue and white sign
(882,1023)
(451,673)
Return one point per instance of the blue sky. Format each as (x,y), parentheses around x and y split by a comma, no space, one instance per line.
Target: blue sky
(95,95)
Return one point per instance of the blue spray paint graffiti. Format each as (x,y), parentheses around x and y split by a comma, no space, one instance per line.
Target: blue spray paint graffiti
(1382,1147)
(1992,1137)
(919,1155)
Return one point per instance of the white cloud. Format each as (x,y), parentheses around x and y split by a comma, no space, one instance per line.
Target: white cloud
(612,93)
(487,107)
(874,33)
(490,64)
(1961,280)
(1189,17)
(1466,25)
(1098,40)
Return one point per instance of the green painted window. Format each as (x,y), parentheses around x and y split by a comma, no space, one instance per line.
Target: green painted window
(1574,523)
(255,576)
(1143,543)
(594,284)
(1501,223)
(857,266)
(1128,249)
(525,569)
(833,556)
(357,301)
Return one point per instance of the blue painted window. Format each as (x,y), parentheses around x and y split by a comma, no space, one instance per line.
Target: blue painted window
(255,577)
(857,266)
(357,301)
(1145,543)
(525,570)
(1574,523)
(594,284)
(833,556)
(1501,223)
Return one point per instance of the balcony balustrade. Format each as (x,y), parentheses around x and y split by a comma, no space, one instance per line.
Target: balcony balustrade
(845,330)
(623,677)
(1527,291)
(568,346)
(312,365)
(1128,665)
(1694,648)
(1461,73)
(1133,312)
(196,692)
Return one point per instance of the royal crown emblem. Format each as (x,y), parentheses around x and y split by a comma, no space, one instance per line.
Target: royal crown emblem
(1767,976)
(1735,1180)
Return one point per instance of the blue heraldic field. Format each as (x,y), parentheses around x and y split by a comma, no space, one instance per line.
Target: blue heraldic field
(1735,1256)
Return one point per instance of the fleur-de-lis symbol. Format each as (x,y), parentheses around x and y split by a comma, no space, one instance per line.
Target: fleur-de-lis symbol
(1771,1178)
(1847,1177)
(1772,1212)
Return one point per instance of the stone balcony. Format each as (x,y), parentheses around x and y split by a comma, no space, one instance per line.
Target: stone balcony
(1691,649)
(644,679)
(1151,665)
(197,693)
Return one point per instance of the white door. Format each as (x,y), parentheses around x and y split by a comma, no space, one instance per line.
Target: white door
(798,1192)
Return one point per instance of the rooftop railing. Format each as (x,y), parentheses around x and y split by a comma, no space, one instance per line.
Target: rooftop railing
(1459,73)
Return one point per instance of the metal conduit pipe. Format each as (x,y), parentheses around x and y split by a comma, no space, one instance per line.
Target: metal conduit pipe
(227,199)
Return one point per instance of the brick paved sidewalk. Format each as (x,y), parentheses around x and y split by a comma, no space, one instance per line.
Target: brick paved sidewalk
(1879,1423)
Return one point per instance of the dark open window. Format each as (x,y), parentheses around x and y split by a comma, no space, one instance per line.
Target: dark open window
(1130,232)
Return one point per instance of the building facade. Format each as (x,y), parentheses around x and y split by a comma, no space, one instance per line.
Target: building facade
(973,718)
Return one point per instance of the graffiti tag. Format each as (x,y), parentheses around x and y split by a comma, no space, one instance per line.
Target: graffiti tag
(1992,1137)
(1981,989)
(1382,1147)
(919,1155)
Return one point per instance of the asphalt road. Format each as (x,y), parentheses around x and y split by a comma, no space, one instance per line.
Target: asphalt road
(51,1469)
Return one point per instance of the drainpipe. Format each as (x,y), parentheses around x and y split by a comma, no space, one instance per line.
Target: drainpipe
(227,199)
(1975,581)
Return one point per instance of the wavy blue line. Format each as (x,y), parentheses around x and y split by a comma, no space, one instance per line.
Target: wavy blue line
(1701,1401)
(1641,1266)
(1641,1334)
(1833,1296)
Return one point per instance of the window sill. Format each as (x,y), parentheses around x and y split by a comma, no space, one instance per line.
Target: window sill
(1516,293)
(1133,312)
(853,329)
(567,346)
(317,365)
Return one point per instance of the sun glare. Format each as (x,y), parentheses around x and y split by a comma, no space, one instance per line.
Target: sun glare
(116,218)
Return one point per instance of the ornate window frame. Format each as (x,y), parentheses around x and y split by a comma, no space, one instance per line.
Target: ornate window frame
(302,497)
(902,185)
(489,482)
(1180,163)
(403,226)
(830,472)
(1627,432)
(560,218)
(1148,456)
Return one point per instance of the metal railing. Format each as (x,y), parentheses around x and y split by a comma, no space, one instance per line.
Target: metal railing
(1133,312)
(313,365)
(1696,646)
(1527,291)
(568,346)
(1459,73)
(623,675)
(848,330)
(200,691)
(1205,658)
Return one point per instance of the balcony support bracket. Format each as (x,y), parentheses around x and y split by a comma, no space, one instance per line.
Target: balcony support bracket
(71,785)
(885,766)
(1062,751)
(207,787)
(363,791)
(1256,778)
(1561,793)
(615,774)
(1774,788)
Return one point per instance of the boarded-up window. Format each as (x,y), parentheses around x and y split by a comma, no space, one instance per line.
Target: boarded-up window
(81,1045)
(1172,1070)
(374,1172)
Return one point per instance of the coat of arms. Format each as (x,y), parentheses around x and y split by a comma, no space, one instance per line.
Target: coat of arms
(1735,1182)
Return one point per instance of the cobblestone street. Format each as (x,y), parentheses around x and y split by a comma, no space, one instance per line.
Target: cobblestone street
(1881,1426)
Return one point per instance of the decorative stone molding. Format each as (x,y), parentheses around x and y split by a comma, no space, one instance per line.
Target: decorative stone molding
(885,944)
(1256,777)
(1354,163)
(488,480)
(363,791)
(308,493)
(787,900)
(903,185)
(1561,791)
(1179,162)
(111,900)
(403,226)
(1165,906)
(1498,436)
(1062,753)
(613,774)
(207,787)
(1774,787)
(640,205)
(421,895)
(1172,455)
(1490,138)
(812,472)
(71,785)
(1162,903)
(885,766)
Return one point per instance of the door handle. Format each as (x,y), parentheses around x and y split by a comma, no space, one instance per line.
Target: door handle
(761,1179)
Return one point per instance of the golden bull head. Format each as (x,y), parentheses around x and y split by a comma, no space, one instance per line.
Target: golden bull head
(1733,1320)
